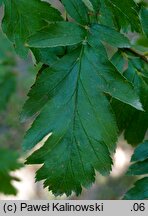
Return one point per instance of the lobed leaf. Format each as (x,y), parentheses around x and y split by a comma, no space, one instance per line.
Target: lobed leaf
(73,105)
(70,97)
(73,109)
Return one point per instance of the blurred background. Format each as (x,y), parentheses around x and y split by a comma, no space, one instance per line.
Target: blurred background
(21,74)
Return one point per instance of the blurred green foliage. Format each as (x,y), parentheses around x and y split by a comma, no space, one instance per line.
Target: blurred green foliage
(9,162)
(7,75)
(11,99)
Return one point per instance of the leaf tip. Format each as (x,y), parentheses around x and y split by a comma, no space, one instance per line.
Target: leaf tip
(138,105)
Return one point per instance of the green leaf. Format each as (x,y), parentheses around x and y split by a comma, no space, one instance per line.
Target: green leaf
(88,5)
(107,72)
(48,55)
(139,192)
(70,116)
(7,86)
(77,10)
(27,17)
(141,152)
(125,13)
(58,34)
(105,16)
(96,5)
(7,77)
(65,33)
(109,35)
(144,19)
(138,125)
(138,168)
(143,42)
(9,163)
(119,61)
(7,53)
(134,123)
(71,105)
(1,1)
(75,87)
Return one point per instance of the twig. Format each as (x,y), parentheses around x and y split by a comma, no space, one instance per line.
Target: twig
(136,54)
